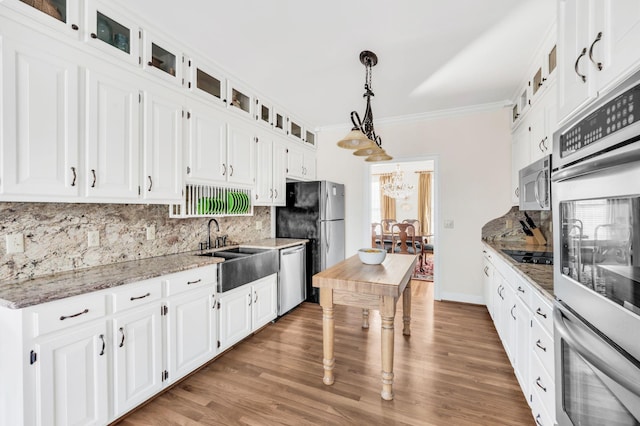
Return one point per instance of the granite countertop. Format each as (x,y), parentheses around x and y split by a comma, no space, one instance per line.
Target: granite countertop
(18,294)
(540,276)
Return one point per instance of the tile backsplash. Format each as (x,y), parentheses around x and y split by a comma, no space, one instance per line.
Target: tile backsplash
(56,234)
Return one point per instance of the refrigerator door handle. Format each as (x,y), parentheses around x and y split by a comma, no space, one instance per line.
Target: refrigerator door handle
(326,205)
(328,237)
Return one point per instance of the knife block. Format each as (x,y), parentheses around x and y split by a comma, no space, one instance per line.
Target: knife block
(537,240)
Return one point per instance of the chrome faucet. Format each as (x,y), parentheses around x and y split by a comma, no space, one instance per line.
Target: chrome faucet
(209,230)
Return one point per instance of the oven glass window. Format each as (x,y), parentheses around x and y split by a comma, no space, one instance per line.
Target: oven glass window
(586,399)
(597,241)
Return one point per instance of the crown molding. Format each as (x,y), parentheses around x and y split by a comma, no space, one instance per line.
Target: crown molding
(431,115)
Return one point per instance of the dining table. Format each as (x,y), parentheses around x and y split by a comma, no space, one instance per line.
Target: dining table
(377,287)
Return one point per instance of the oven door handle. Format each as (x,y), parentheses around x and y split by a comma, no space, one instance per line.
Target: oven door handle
(595,165)
(598,353)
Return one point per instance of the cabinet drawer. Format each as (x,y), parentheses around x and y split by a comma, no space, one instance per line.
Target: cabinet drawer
(543,387)
(542,311)
(542,344)
(541,415)
(68,312)
(191,280)
(137,294)
(522,289)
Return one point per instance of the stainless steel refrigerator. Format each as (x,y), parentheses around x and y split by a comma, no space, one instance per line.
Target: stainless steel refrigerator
(315,211)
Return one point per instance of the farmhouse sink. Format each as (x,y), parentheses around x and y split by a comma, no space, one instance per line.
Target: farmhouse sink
(243,265)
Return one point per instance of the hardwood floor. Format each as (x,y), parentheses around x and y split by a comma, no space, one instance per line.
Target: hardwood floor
(451,371)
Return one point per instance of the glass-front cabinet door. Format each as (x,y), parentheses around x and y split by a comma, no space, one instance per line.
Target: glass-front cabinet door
(111,31)
(264,113)
(279,121)
(63,15)
(295,129)
(205,81)
(162,59)
(239,99)
(310,138)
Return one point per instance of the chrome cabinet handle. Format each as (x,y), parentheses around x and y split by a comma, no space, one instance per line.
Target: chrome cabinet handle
(271,196)
(256,297)
(517,191)
(103,344)
(150,183)
(538,420)
(93,184)
(224,169)
(64,317)
(539,312)
(486,271)
(194,282)
(121,340)
(540,385)
(73,170)
(230,170)
(276,192)
(575,67)
(540,145)
(511,312)
(132,298)
(521,290)
(596,63)
(538,344)
(249,299)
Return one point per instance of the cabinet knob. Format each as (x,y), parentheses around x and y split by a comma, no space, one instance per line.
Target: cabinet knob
(74,27)
(94,35)
(150,63)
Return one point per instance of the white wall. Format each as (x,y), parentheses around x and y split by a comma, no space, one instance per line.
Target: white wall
(473,154)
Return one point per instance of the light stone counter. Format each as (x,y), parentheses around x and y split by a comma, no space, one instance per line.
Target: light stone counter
(18,294)
(23,293)
(540,276)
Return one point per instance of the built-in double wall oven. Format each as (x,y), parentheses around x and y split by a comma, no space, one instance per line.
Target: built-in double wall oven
(596,221)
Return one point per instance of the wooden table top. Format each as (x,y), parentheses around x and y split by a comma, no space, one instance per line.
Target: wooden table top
(387,279)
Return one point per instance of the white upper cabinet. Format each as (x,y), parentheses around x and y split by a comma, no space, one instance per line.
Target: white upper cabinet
(39,120)
(206,143)
(109,29)
(205,81)
(162,150)
(271,162)
(597,47)
(112,114)
(240,153)
(239,99)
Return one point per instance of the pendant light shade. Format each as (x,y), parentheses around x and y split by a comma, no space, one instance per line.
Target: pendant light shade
(355,139)
(380,156)
(365,152)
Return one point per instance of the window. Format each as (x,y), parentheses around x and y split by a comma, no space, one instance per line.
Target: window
(375,199)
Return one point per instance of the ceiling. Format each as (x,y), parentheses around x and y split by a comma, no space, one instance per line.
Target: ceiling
(434,55)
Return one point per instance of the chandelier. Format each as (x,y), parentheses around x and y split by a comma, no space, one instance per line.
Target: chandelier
(397,188)
(362,136)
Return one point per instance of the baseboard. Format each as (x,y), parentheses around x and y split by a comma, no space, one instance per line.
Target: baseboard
(462,297)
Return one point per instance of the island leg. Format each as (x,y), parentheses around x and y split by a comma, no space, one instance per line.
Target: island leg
(329,361)
(365,318)
(387,313)
(406,310)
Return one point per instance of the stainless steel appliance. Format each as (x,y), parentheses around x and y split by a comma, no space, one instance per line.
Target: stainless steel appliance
(292,281)
(315,211)
(596,221)
(535,185)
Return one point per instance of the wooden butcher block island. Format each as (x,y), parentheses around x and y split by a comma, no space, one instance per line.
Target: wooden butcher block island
(377,287)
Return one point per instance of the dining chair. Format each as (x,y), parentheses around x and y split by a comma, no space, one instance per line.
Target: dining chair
(403,238)
(387,224)
(376,235)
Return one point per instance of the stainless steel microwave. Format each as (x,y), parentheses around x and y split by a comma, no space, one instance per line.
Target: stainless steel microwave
(535,185)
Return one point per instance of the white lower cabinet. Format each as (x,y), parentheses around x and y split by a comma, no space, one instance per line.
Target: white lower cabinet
(71,378)
(192,332)
(247,308)
(522,317)
(136,339)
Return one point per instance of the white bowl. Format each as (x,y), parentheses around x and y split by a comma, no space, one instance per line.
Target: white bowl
(372,256)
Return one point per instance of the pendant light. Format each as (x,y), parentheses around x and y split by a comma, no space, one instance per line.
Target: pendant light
(362,136)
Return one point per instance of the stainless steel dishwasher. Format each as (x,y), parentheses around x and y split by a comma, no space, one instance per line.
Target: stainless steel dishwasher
(292,278)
